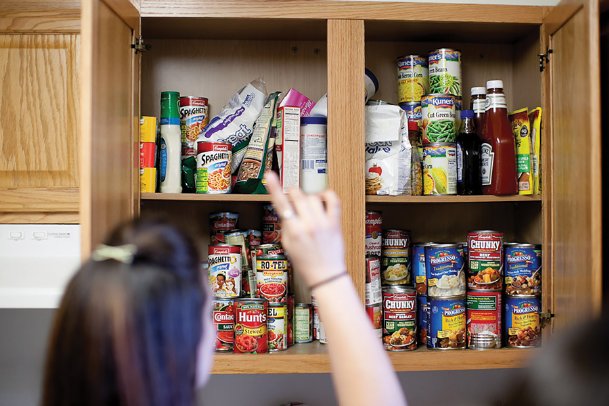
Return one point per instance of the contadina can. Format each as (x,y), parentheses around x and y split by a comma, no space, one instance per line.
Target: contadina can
(438,114)
(303,323)
(445,273)
(395,260)
(483,320)
(522,324)
(485,253)
(522,269)
(413,112)
(251,334)
(399,318)
(440,169)
(413,78)
(277,323)
(419,271)
(272,277)
(213,167)
(194,116)
(374,233)
(225,270)
(446,323)
(445,71)
(224,322)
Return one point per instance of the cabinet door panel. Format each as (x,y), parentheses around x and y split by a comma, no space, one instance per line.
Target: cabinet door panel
(575,181)
(110,115)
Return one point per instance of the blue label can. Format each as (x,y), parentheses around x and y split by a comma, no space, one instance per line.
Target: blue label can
(522,269)
(521,320)
(446,323)
(445,270)
(422,312)
(419,272)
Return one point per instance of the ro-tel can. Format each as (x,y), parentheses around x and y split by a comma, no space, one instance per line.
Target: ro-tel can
(277,323)
(522,324)
(445,71)
(485,253)
(213,167)
(483,320)
(271,225)
(291,303)
(438,114)
(375,314)
(413,111)
(194,116)
(422,313)
(446,323)
(419,272)
(374,233)
(220,223)
(439,169)
(395,260)
(272,277)
(251,334)
(303,323)
(413,78)
(522,269)
(224,322)
(445,273)
(399,318)
(267,249)
(225,270)
(373,293)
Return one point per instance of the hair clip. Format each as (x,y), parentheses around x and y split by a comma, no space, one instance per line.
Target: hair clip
(121,253)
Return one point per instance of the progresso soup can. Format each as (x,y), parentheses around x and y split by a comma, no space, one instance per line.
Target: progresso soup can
(438,115)
(484,320)
(419,271)
(522,269)
(440,169)
(251,334)
(413,81)
(445,71)
(485,254)
(446,323)
(445,273)
(522,321)
(399,318)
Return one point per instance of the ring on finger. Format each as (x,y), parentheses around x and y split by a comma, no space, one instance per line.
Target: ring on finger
(288,214)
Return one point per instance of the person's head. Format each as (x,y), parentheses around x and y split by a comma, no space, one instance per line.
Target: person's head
(131,323)
(220,279)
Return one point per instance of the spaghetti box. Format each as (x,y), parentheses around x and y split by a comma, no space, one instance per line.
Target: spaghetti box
(288,146)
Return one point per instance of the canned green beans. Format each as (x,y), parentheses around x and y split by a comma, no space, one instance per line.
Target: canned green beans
(438,113)
(445,71)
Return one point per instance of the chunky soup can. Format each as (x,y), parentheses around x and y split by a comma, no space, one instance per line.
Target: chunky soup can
(522,269)
(484,320)
(440,169)
(224,321)
(438,115)
(277,322)
(395,260)
(445,71)
(251,334)
(446,323)
(522,321)
(225,270)
(413,78)
(485,255)
(399,318)
(445,273)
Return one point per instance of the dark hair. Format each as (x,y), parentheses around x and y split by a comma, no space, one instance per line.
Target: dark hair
(127,334)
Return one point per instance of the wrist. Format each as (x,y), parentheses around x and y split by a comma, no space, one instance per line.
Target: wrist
(327,280)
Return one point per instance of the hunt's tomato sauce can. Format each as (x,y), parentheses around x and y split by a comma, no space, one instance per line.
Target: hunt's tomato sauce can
(251,335)
(374,233)
(483,320)
(399,318)
(271,225)
(224,322)
(277,323)
(485,257)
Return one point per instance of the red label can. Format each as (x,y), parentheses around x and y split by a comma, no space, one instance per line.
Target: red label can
(374,233)
(399,318)
(483,320)
(224,322)
(219,224)
(375,314)
(485,257)
(373,293)
(271,225)
(251,334)
(194,116)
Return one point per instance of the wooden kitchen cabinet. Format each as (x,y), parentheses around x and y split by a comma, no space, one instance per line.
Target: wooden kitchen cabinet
(212,48)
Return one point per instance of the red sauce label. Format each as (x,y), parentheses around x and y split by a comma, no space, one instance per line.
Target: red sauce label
(484,318)
(278,328)
(251,334)
(224,322)
(272,278)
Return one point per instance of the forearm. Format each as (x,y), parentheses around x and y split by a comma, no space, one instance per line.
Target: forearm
(360,365)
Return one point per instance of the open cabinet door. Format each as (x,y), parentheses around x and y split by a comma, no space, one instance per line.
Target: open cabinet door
(572,137)
(110,118)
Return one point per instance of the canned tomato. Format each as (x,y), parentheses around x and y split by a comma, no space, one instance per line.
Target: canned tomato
(374,233)
(399,318)
(419,272)
(213,167)
(483,320)
(224,322)
(277,323)
(271,225)
(445,71)
(439,169)
(194,116)
(422,313)
(291,302)
(438,115)
(395,260)
(251,334)
(446,323)
(375,314)
(272,277)
(413,112)
(225,270)
(303,323)
(485,253)
(445,273)
(413,80)
(522,269)
(522,324)
(373,281)
(220,223)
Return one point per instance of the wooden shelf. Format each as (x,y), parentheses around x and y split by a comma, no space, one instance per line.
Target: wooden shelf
(205,198)
(453,199)
(313,358)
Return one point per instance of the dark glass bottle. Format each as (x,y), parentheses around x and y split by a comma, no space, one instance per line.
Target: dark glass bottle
(469,181)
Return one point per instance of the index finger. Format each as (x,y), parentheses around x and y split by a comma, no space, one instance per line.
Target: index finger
(278,198)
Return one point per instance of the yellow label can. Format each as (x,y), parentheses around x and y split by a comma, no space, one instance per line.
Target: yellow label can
(413,78)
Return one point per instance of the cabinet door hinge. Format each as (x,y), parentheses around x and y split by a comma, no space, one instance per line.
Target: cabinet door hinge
(139,45)
(544,59)
(545,318)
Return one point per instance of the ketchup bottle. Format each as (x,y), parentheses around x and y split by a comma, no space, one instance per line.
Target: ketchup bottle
(497,152)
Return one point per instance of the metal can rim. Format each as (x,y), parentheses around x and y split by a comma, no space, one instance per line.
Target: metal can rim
(398,289)
(452,297)
(250,299)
